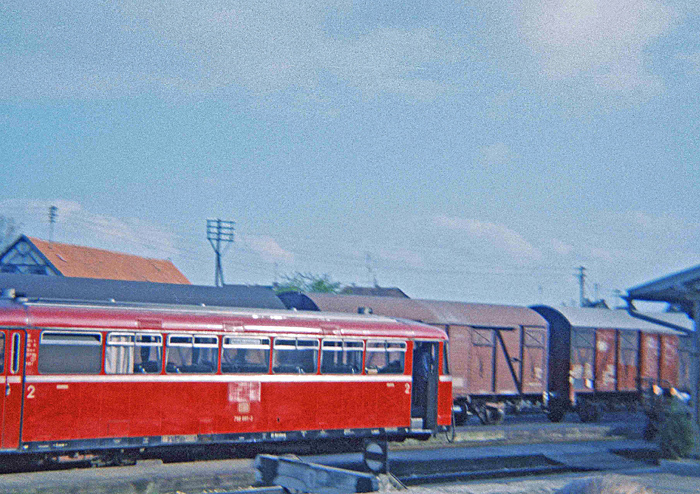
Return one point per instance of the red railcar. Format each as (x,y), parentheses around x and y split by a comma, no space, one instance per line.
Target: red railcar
(601,358)
(83,377)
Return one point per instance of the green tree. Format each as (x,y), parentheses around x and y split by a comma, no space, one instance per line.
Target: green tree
(307,282)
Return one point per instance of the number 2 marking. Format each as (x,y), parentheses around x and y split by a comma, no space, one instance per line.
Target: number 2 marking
(30,391)
(408,389)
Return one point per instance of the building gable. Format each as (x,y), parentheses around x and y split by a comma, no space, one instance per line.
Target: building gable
(29,255)
(22,257)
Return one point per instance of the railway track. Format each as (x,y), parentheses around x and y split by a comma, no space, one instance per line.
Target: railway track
(478,452)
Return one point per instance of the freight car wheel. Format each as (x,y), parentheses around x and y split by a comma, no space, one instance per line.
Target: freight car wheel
(490,415)
(496,416)
(460,417)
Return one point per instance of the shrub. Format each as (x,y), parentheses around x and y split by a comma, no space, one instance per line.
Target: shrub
(676,434)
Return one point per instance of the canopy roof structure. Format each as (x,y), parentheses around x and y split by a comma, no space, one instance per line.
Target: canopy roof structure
(682,288)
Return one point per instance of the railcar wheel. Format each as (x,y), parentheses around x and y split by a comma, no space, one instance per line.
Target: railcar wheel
(451,432)
(120,458)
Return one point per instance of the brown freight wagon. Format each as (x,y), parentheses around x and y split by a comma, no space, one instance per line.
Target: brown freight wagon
(497,353)
(601,358)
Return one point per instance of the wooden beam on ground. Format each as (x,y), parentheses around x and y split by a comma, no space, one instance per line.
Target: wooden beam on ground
(296,475)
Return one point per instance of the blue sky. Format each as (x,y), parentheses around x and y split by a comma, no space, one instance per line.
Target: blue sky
(473,151)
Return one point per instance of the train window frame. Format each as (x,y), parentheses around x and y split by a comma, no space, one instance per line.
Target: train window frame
(2,352)
(445,358)
(142,367)
(297,362)
(261,344)
(119,360)
(388,347)
(75,339)
(195,343)
(15,363)
(331,346)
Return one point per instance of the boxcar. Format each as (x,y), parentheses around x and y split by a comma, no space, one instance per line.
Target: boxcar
(497,353)
(607,358)
(98,378)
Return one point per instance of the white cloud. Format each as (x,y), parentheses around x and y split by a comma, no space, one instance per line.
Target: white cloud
(267,248)
(603,41)
(560,248)
(76,225)
(498,236)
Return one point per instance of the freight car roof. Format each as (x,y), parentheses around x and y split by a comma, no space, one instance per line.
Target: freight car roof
(620,319)
(427,311)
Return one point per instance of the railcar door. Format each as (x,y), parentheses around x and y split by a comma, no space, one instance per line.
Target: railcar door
(424,396)
(12,369)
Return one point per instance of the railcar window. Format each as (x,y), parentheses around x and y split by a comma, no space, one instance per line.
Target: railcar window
(445,360)
(149,353)
(295,356)
(70,353)
(385,357)
(245,355)
(15,353)
(192,354)
(2,352)
(341,357)
(119,354)
(128,353)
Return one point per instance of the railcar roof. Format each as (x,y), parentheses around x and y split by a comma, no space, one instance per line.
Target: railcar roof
(432,311)
(620,319)
(179,317)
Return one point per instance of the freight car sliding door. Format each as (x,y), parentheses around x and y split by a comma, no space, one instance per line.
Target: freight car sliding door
(12,369)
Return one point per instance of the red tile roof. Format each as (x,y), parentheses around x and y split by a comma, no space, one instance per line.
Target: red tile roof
(87,262)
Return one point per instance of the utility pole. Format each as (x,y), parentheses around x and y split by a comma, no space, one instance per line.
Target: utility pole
(218,232)
(581,282)
(371,277)
(53,213)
